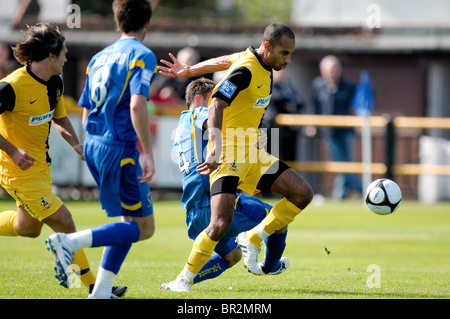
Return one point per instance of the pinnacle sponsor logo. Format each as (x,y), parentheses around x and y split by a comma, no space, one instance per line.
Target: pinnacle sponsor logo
(40,119)
(262,103)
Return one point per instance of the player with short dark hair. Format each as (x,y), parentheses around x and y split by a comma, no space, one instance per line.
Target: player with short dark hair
(115,118)
(190,146)
(235,112)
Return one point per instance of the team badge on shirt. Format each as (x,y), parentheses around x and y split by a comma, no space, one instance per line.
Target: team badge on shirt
(233,166)
(58,95)
(45,203)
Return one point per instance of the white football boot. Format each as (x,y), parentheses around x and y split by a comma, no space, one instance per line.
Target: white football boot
(178,285)
(284,264)
(250,253)
(57,244)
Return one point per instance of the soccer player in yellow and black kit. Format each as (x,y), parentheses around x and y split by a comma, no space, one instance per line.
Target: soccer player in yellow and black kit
(31,99)
(235,112)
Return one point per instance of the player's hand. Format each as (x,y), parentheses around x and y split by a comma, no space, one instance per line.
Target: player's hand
(209,165)
(174,69)
(148,169)
(79,149)
(23,159)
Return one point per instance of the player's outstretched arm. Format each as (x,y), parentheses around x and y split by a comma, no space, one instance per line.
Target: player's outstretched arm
(176,69)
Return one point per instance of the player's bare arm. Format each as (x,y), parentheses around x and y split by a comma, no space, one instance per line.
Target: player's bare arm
(176,69)
(22,159)
(140,120)
(65,129)
(215,117)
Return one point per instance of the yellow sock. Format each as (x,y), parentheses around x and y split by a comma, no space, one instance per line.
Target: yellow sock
(200,253)
(7,220)
(86,275)
(282,214)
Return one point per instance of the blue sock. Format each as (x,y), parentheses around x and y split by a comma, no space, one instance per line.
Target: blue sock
(115,234)
(215,266)
(113,257)
(275,245)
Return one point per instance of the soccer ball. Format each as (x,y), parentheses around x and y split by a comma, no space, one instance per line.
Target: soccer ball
(383,196)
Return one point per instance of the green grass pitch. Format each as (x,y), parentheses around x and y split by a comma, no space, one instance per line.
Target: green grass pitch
(336,250)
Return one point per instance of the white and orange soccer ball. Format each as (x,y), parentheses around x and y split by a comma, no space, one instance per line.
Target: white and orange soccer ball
(383,196)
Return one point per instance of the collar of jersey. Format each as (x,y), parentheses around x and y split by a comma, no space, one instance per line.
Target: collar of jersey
(34,76)
(253,50)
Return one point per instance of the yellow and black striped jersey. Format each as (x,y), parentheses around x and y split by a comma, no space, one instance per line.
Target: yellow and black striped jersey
(27,106)
(247,88)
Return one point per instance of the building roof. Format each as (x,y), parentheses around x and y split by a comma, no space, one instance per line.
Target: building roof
(169,34)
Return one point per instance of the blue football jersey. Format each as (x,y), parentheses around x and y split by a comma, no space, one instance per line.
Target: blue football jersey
(123,69)
(190,146)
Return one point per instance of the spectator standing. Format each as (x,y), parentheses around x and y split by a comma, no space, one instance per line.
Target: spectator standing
(332,95)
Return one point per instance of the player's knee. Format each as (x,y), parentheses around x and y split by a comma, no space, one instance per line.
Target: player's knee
(29,232)
(294,188)
(147,232)
(146,225)
(225,223)
(302,196)
(307,195)
(216,230)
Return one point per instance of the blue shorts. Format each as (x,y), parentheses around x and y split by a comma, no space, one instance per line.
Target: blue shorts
(115,167)
(249,212)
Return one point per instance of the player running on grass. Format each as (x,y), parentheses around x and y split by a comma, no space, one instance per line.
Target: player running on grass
(115,117)
(190,144)
(235,111)
(31,99)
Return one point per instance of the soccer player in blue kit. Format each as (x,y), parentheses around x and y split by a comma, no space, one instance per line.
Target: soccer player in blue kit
(115,117)
(190,146)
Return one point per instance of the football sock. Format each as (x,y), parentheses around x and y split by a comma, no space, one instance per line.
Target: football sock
(281,214)
(81,239)
(275,245)
(117,237)
(213,268)
(7,220)
(113,257)
(103,286)
(115,234)
(200,253)
(85,274)
(112,234)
